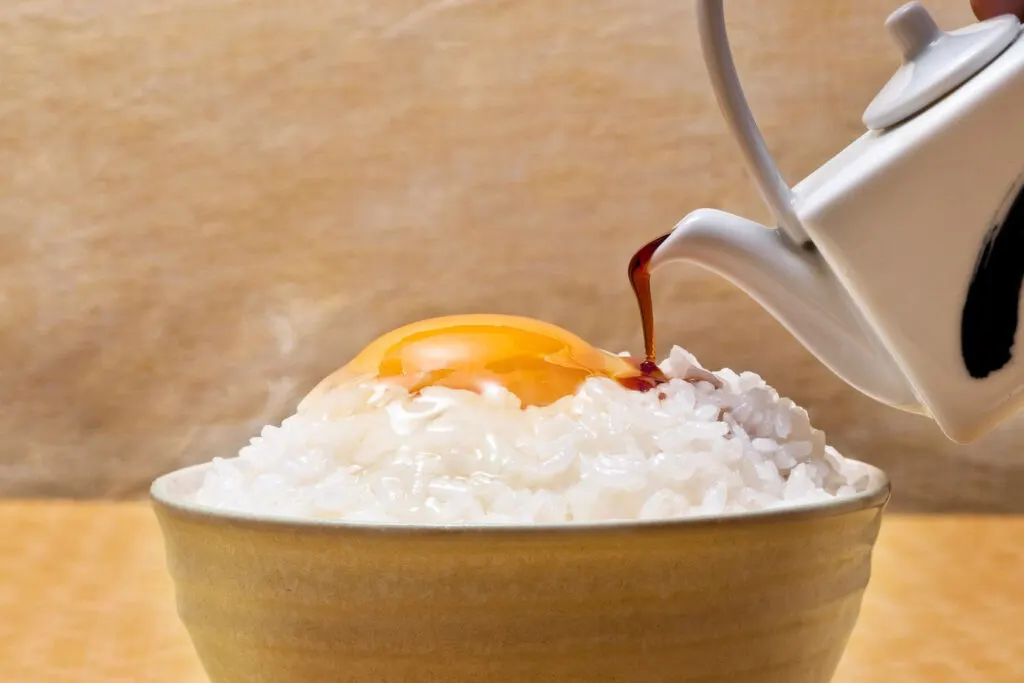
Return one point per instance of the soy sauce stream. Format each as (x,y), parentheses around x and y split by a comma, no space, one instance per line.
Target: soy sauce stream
(640,278)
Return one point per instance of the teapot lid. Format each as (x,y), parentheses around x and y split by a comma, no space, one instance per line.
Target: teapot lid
(934,62)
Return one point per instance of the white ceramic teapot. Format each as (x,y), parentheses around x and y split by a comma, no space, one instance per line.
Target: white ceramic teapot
(899,262)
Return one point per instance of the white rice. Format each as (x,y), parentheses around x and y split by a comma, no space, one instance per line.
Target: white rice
(374,453)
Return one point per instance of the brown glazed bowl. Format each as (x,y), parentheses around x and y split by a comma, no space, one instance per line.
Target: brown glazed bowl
(769,597)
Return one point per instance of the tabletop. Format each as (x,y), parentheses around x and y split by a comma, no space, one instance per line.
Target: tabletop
(84,598)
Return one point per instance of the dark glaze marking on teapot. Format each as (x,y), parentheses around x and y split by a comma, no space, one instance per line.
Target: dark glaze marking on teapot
(988,326)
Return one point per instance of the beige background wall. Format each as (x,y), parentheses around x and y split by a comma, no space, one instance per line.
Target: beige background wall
(206,205)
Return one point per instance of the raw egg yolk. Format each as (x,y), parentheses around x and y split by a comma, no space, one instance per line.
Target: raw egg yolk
(536,361)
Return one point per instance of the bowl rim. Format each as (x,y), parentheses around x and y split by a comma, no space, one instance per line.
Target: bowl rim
(163,498)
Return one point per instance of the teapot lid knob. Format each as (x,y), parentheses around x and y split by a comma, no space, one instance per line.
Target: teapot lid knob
(913,29)
(934,62)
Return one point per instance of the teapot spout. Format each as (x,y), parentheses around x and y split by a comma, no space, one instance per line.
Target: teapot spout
(795,285)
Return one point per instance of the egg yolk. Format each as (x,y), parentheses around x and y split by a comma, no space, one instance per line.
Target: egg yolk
(536,361)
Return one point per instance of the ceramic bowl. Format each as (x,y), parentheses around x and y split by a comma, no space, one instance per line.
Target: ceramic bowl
(769,597)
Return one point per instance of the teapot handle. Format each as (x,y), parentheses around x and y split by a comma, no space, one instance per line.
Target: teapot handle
(733,103)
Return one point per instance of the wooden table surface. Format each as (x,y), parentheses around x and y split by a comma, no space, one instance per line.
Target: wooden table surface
(84,598)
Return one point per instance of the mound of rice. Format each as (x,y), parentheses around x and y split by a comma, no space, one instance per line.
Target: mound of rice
(375,453)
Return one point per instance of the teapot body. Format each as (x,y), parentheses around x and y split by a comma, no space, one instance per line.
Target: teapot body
(923,226)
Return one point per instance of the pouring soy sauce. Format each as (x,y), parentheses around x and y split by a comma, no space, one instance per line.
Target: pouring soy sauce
(639,272)
(651,375)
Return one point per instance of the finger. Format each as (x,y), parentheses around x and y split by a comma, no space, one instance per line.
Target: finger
(986,9)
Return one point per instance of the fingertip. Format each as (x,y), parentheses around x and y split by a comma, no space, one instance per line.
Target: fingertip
(986,9)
